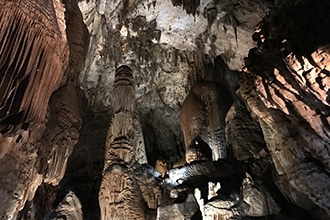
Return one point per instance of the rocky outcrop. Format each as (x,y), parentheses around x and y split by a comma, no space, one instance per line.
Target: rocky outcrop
(289,74)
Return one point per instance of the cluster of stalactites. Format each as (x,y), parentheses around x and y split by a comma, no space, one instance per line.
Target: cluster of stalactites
(34,56)
(189,5)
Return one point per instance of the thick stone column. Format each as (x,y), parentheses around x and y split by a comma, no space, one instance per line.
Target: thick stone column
(123,192)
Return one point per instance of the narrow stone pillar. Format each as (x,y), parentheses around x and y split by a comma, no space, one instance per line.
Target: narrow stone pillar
(120,195)
(125,138)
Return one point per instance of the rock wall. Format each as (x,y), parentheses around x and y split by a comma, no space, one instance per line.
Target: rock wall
(40,116)
(289,74)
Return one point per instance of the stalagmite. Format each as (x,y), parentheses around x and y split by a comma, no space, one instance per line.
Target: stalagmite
(122,195)
(125,135)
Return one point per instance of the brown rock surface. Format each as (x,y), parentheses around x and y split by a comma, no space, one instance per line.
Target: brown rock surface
(38,127)
(203,114)
(70,209)
(289,74)
(277,131)
(126,189)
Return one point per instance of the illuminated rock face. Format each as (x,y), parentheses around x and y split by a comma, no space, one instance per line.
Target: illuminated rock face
(34,57)
(290,76)
(39,116)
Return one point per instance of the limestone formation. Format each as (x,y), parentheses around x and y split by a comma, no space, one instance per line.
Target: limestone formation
(125,139)
(38,127)
(203,114)
(120,196)
(34,52)
(198,150)
(258,200)
(70,209)
(126,189)
(183,211)
(267,154)
(289,74)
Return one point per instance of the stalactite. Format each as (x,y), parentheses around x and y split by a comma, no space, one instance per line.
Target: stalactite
(203,113)
(34,57)
(188,5)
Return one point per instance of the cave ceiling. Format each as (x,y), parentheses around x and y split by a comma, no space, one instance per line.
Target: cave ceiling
(164,109)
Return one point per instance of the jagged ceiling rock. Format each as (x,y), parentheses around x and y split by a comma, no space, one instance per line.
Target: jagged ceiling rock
(166,47)
(161,42)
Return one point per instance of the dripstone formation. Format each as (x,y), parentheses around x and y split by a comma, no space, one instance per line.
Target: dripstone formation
(164,109)
(122,195)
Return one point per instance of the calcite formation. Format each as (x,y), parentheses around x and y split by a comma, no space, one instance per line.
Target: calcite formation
(289,74)
(203,114)
(122,195)
(70,207)
(38,126)
(256,141)
(34,52)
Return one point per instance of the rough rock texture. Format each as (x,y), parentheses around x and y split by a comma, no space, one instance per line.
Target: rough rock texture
(26,89)
(166,49)
(126,191)
(39,126)
(183,54)
(203,114)
(258,200)
(180,211)
(69,208)
(198,150)
(32,35)
(289,74)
